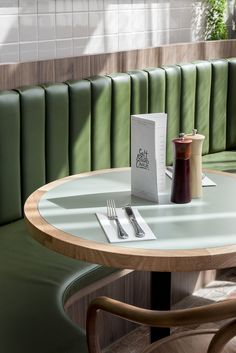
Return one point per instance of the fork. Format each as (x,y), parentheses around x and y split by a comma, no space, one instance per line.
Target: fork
(112,215)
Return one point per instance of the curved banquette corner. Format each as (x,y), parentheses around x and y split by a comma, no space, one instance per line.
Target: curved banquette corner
(54,130)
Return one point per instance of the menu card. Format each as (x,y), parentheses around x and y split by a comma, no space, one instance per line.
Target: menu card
(148,155)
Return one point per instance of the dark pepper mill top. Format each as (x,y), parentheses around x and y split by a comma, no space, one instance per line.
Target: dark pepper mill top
(182,148)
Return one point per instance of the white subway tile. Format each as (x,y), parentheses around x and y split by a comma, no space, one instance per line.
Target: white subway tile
(125,4)
(28,28)
(139,4)
(111,44)
(46,6)
(8,7)
(9,30)
(155,39)
(125,21)
(47,50)
(80,45)
(157,19)
(139,40)
(64,6)
(125,41)
(110,5)
(80,24)
(95,45)
(64,48)
(180,18)
(111,22)
(28,51)
(138,21)
(96,23)
(198,34)
(64,25)
(9,53)
(180,35)
(46,27)
(28,6)
(96,5)
(151,4)
(80,5)
(63,28)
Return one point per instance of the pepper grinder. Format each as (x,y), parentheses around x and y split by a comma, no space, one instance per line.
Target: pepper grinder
(180,192)
(196,164)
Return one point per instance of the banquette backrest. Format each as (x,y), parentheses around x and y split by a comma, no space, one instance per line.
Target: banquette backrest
(54,130)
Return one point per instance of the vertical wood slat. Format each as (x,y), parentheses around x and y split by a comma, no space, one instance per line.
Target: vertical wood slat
(60,70)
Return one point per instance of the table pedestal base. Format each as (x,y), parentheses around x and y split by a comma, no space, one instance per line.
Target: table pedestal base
(160,300)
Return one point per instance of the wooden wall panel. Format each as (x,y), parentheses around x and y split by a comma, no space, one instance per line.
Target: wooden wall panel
(81,68)
(59,70)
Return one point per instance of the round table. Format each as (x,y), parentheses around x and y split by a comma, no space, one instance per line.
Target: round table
(200,235)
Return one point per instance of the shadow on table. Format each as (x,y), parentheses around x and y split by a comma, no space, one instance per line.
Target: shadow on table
(99,200)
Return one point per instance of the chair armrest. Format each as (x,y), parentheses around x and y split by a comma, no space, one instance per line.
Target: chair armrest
(184,317)
(222,337)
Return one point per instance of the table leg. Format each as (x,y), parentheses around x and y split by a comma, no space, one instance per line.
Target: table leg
(160,300)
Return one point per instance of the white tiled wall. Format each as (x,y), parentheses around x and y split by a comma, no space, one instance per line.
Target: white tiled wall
(46,29)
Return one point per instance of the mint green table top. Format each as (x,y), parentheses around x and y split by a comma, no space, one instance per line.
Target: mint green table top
(203,223)
(197,236)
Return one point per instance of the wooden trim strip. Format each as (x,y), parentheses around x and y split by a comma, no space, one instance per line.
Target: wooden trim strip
(60,70)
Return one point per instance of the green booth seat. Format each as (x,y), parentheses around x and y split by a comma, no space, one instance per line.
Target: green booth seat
(34,281)
(225,161)
(55,130)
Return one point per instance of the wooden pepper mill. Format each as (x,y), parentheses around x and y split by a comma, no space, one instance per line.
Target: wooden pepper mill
(180,192)
(196,164)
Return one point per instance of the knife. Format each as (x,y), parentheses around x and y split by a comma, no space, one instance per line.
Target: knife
(138,230)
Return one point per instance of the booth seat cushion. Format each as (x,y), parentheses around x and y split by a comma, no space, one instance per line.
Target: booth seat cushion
(33,281)
(225,161)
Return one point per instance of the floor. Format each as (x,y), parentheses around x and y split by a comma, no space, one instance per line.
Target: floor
(222,288)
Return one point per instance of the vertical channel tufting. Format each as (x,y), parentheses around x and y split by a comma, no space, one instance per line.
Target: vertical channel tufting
(188,95)
(32,101)
(57,131)
(219,87)
(157,85)
(101,122)
(173,91)
(80,126)
(231,106)
(139,92)
(202,104)
(10,188)
(120,120)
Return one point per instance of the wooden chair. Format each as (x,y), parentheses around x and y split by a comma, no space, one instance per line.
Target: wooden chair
(187,341)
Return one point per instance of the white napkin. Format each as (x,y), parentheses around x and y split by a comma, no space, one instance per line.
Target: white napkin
(205,180)
(110,227)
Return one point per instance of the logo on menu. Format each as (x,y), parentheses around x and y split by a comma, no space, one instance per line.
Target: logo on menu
(142,159)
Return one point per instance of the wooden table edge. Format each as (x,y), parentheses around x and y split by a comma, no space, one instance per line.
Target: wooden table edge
(117,256)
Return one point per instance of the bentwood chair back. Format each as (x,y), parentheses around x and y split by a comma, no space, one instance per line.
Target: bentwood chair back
(200,340)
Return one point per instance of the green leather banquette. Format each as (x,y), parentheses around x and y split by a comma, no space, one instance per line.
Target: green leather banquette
(48,132)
